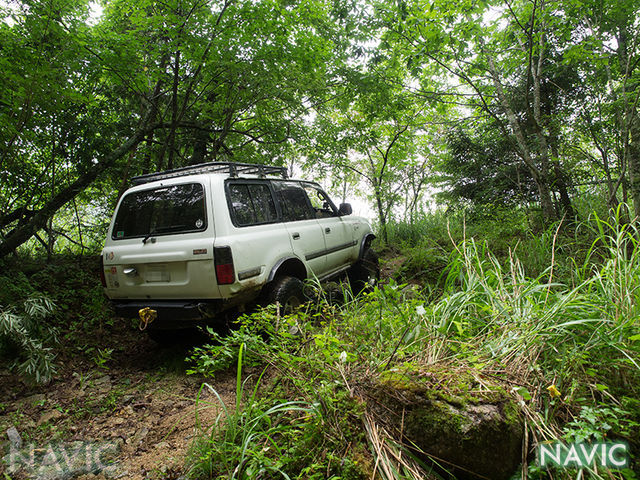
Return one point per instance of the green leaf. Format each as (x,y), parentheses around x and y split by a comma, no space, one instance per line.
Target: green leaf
(523,392)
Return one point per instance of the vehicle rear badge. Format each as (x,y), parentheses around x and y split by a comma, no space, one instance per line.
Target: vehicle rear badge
(110,256)
(199,223)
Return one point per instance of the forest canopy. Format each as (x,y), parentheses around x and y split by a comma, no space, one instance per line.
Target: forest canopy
(496,143)
(526,103)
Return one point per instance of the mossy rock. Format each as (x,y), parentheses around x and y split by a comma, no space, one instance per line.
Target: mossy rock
(472,431)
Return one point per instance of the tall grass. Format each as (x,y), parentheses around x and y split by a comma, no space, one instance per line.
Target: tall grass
(574,326)
(427,244)
(236,445)
(613,267)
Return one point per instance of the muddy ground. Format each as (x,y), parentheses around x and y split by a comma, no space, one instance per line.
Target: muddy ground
(138,412)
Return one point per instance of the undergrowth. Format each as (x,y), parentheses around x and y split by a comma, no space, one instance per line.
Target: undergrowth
(48,309)
(564,343)
(26,339)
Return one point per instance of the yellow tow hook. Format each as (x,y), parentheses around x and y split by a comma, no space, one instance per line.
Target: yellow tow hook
(147,315)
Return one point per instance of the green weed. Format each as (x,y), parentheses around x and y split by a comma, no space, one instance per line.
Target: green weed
(243,441)
(564,342)
(24,333)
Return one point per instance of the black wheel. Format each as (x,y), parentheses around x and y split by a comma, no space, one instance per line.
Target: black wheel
(365,273)
(288,292)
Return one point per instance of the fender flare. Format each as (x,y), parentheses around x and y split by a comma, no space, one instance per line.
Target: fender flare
(365,243)
(279,263)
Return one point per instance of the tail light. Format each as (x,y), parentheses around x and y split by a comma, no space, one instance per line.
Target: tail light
(224,265)
(102,277)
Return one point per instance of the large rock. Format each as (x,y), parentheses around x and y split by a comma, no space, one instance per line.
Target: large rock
(474,431)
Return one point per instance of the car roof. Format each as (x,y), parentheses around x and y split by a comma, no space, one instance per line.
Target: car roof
(230,169)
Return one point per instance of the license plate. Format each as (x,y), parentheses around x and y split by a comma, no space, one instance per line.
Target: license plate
(158,273)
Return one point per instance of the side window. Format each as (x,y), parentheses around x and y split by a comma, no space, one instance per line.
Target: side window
(322,205)
(293,201)
(251,204)
(265,209)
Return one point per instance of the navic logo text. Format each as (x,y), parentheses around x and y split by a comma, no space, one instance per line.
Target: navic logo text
(612,455)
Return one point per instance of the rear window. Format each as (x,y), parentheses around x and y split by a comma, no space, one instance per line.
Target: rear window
(161,211)
(251,204)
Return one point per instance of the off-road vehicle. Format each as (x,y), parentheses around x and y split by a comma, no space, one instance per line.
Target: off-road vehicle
(192,244)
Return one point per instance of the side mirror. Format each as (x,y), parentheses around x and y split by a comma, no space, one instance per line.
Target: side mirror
(345,209)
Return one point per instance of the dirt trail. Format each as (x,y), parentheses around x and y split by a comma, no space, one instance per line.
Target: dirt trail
(133,401)
(140,408)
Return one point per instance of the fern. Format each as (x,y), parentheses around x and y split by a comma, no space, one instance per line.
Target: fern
(22,327)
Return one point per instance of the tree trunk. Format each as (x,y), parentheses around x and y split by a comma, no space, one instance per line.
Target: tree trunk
(548,212)
(155,96)
(560,180)
(561,185)
(539,174)
(381,216)
(174,111)
(633,159)
(199,147)
(146,163)
(39,220)
(127,170)
(630,122)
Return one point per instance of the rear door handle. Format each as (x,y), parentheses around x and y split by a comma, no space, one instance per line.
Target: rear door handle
(327,230)
(296,236)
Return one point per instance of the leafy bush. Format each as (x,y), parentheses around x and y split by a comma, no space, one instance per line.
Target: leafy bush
(223,350)
(22,329)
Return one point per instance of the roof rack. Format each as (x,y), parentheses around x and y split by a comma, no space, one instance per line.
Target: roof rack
(232,168)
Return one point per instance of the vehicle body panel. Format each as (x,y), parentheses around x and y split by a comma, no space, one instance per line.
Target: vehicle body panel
(165,266)
(176,271)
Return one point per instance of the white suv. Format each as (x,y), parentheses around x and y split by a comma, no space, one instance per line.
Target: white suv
(195,243)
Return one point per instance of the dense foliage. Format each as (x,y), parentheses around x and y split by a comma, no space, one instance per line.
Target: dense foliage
(497,143)
(529,103)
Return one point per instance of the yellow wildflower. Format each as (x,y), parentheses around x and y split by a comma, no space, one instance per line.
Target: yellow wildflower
(553,391)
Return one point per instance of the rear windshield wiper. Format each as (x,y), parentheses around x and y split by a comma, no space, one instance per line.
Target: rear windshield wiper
(144,240)
(167,228)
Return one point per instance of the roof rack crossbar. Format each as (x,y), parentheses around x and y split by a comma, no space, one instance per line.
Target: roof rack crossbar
(232,168)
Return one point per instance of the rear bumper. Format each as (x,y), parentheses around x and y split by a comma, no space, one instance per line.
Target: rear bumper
(171,314)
